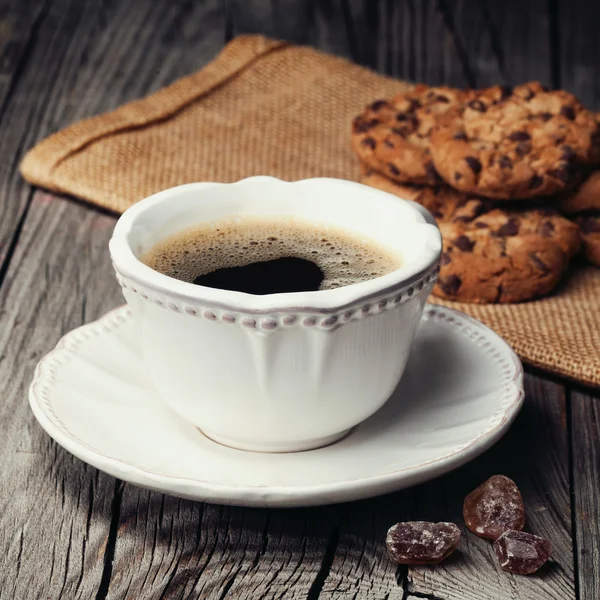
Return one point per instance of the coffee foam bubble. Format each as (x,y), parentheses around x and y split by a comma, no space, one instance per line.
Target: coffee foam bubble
(345,258)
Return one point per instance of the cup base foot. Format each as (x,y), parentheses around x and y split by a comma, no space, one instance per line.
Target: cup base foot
(277,447)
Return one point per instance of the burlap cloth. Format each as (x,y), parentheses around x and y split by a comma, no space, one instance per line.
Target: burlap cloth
(265,107)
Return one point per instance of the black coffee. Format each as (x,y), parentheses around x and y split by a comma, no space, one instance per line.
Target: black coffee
(270,256)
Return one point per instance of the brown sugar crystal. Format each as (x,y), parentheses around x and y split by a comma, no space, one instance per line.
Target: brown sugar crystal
(494,507)
(521,552)
(421,542)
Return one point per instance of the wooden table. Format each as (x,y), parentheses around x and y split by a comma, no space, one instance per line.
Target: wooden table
(70,531)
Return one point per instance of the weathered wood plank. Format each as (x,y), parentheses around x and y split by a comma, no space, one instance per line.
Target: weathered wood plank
(520,34)
(477,37)
(55,511)
(578,49)
(412,39)
(318,23)
(183,549)
(535,454)
(19,25)
(585,439)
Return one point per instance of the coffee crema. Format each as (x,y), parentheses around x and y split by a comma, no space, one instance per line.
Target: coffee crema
(270,256)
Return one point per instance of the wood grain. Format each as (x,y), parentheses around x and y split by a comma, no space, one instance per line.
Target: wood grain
(54,510)
(19,26)
(521,41)
(578,49)
(317,23)
(56,513)
(585,439)
(412,40)
(183,549)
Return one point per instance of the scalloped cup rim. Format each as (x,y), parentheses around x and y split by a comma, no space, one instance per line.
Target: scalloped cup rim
(128,265)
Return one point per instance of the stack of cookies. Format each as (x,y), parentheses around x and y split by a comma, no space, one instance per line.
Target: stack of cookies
(497,168)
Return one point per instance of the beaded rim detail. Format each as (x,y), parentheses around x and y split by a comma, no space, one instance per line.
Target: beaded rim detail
(302,316)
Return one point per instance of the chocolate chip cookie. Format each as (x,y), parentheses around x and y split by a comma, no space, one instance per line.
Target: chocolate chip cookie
(583,204)
(505,255)
(393,136)
(494,252)
(530,143)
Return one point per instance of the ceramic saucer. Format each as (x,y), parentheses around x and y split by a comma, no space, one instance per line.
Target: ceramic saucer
(462,388)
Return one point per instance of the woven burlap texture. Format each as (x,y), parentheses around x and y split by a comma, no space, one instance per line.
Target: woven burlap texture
(266,107)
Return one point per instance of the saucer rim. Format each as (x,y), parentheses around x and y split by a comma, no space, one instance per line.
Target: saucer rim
(267,494)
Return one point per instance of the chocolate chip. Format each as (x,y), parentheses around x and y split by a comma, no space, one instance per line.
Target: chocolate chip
(477,105)
(511,227)
(440,98)
(505,162)
(519,136)
(414,104)
(545,116)
(359,125)
(505,91)
(402,117)
(535,182)
(432,175)
(369,142)
(450,285)
(568,111)
(389,143)
(457,176)
(394,170)
(445,258)
(539,263)
(474,164)
(464,244)
(461,135)
(589,225)
(547,229)
(564,173)
(529,95)
(481,225)
(403,131)
(378,104)
(523,148)
(567,152)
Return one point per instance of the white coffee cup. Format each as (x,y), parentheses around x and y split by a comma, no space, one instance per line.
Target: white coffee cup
(279,372)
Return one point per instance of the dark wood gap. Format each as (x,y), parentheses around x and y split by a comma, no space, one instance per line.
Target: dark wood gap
(569,404)
(353,45)
(463,57)
(315,589)
(555,42)
(109,551)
